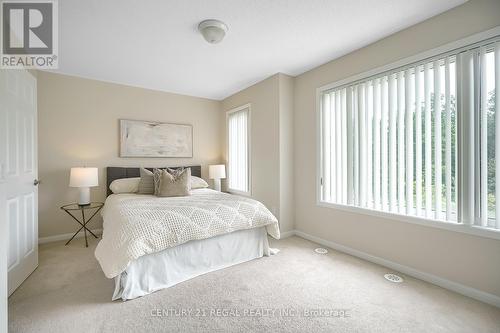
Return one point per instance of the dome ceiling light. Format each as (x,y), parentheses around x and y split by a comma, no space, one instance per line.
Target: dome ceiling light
(212,30)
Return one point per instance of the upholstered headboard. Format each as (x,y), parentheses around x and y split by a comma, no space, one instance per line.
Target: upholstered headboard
(113,173)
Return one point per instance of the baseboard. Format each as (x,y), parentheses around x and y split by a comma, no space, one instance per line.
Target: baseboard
(287,234)
(441,282)
(60,237)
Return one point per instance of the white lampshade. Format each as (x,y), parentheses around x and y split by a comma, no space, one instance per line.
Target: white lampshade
(217,171)
(83,177)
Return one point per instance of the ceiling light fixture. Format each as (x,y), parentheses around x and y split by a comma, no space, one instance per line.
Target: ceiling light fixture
(212,30)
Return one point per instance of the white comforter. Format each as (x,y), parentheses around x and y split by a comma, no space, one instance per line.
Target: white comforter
(136,225)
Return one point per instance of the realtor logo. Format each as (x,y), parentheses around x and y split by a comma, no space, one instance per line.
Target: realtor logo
(29,34)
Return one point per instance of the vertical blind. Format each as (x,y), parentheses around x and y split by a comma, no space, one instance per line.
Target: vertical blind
(238,152)
(419,140)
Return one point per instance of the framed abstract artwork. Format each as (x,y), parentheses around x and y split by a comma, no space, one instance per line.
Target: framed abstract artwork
(154,139)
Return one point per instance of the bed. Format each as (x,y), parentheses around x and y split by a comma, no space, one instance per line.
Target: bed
(151,243)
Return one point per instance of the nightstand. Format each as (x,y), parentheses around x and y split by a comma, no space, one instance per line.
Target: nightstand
(93,208)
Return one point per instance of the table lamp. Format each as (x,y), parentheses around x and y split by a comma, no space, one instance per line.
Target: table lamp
(217,172)
(83,178)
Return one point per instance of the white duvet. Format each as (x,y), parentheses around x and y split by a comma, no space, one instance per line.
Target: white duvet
(137,224)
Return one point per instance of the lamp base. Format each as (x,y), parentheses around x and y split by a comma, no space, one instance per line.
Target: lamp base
(217,184)
(84,196)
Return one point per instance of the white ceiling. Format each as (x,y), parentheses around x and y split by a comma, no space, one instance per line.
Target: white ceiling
(156,45)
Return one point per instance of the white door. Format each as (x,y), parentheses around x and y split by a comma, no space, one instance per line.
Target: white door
(3,264)
(19,173)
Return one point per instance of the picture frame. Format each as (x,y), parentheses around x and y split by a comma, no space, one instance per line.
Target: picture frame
(139,138)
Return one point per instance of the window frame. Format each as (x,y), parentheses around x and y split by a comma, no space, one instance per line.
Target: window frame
(447,48)
(249,149)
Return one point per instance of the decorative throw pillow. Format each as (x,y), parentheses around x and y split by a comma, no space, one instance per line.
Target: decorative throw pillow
(156,180)
(197,182)
(146,184)
(176,171)
(125,185)
(174,185)
(157,174)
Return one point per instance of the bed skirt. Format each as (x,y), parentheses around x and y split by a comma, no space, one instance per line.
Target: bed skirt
(169,267)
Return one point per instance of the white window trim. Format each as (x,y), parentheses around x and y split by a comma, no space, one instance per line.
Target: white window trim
(452,226)
(249,131)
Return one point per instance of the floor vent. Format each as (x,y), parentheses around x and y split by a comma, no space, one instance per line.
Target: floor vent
(321,250)
(393,278)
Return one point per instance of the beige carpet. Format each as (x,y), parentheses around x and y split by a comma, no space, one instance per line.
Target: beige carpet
(69,293)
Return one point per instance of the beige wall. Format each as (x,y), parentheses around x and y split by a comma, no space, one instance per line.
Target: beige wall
(78,124)
(263,98)
(469,260)
(271,143)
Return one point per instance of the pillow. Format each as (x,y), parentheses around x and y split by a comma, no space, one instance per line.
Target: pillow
(197,182)
(125,185)
(146,184)
(157,174)
(156,180)
(174,185)
(176,171)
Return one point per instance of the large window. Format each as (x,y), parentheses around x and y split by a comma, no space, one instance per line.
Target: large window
(238,121)
(418,140)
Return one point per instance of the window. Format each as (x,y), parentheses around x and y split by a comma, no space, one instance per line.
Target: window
(418,140)
(238,150)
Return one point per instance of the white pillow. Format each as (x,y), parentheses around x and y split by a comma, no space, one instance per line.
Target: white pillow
(197,182)
(125,185)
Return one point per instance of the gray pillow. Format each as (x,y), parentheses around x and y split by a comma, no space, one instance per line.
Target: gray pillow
(157,175)
(146,184)
(175,172)
(174,185)
(156,180)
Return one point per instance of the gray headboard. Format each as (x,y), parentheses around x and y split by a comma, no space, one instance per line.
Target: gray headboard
(113,173)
